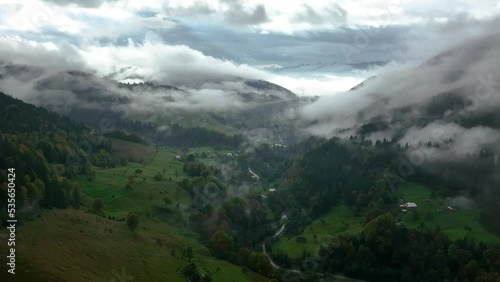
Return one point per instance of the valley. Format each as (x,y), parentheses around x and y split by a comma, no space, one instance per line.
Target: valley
(249,141)
(96,240)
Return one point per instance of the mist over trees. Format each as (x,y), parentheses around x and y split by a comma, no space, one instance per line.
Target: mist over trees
(44,149)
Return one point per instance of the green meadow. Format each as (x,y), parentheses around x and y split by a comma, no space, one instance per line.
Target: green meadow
(434,212)
(105,248)
(431,213)
(337,221)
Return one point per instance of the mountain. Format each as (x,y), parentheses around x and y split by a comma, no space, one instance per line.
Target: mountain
(42,147)
(58,173)
(332,67)
(455,87)
(363,83)
(268,88)
(227,107)
(444,112)
(228,164)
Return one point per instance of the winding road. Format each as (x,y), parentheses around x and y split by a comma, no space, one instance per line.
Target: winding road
(253,174)
(278,234)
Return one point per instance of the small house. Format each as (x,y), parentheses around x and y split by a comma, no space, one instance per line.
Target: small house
(407,205)
(410,205)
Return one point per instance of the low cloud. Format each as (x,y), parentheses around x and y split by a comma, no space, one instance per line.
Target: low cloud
(332,13)
(186,81)
(461,202)
(453,139)
(238,16)
(165,64)
(197,8)
(470,65)
(309,15)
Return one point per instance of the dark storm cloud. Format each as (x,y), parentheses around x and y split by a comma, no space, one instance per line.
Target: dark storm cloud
(288,50)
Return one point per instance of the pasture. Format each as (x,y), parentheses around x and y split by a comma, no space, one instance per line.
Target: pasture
(106,249)
(337,221)
(434,212)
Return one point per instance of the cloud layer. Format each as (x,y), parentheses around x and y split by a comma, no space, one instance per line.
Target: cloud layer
(340,38)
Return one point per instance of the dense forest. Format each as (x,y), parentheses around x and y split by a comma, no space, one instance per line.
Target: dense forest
(47,151)
(363,176)
(199,136)
(122,135)
(175,135)
(357,172)
(312,176)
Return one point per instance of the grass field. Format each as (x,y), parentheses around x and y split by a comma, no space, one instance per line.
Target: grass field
(208,150)
(337,221)
(124,149)
(451,222)
(110,184)
(74,245)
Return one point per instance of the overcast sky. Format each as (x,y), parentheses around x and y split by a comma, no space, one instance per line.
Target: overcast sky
(311,47)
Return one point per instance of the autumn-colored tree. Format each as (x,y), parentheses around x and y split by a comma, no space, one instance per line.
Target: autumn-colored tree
(471,269)
(89,171)
(222,244)
(260,263)
(131,179)
(488,277)
(243,256)
(102,158)
(380,233)
(40,189)
(24,195)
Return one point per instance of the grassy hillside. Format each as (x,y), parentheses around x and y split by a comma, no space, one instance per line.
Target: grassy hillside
(124,149)
(89,247)
(202,120)
(451,222)
(337,221)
